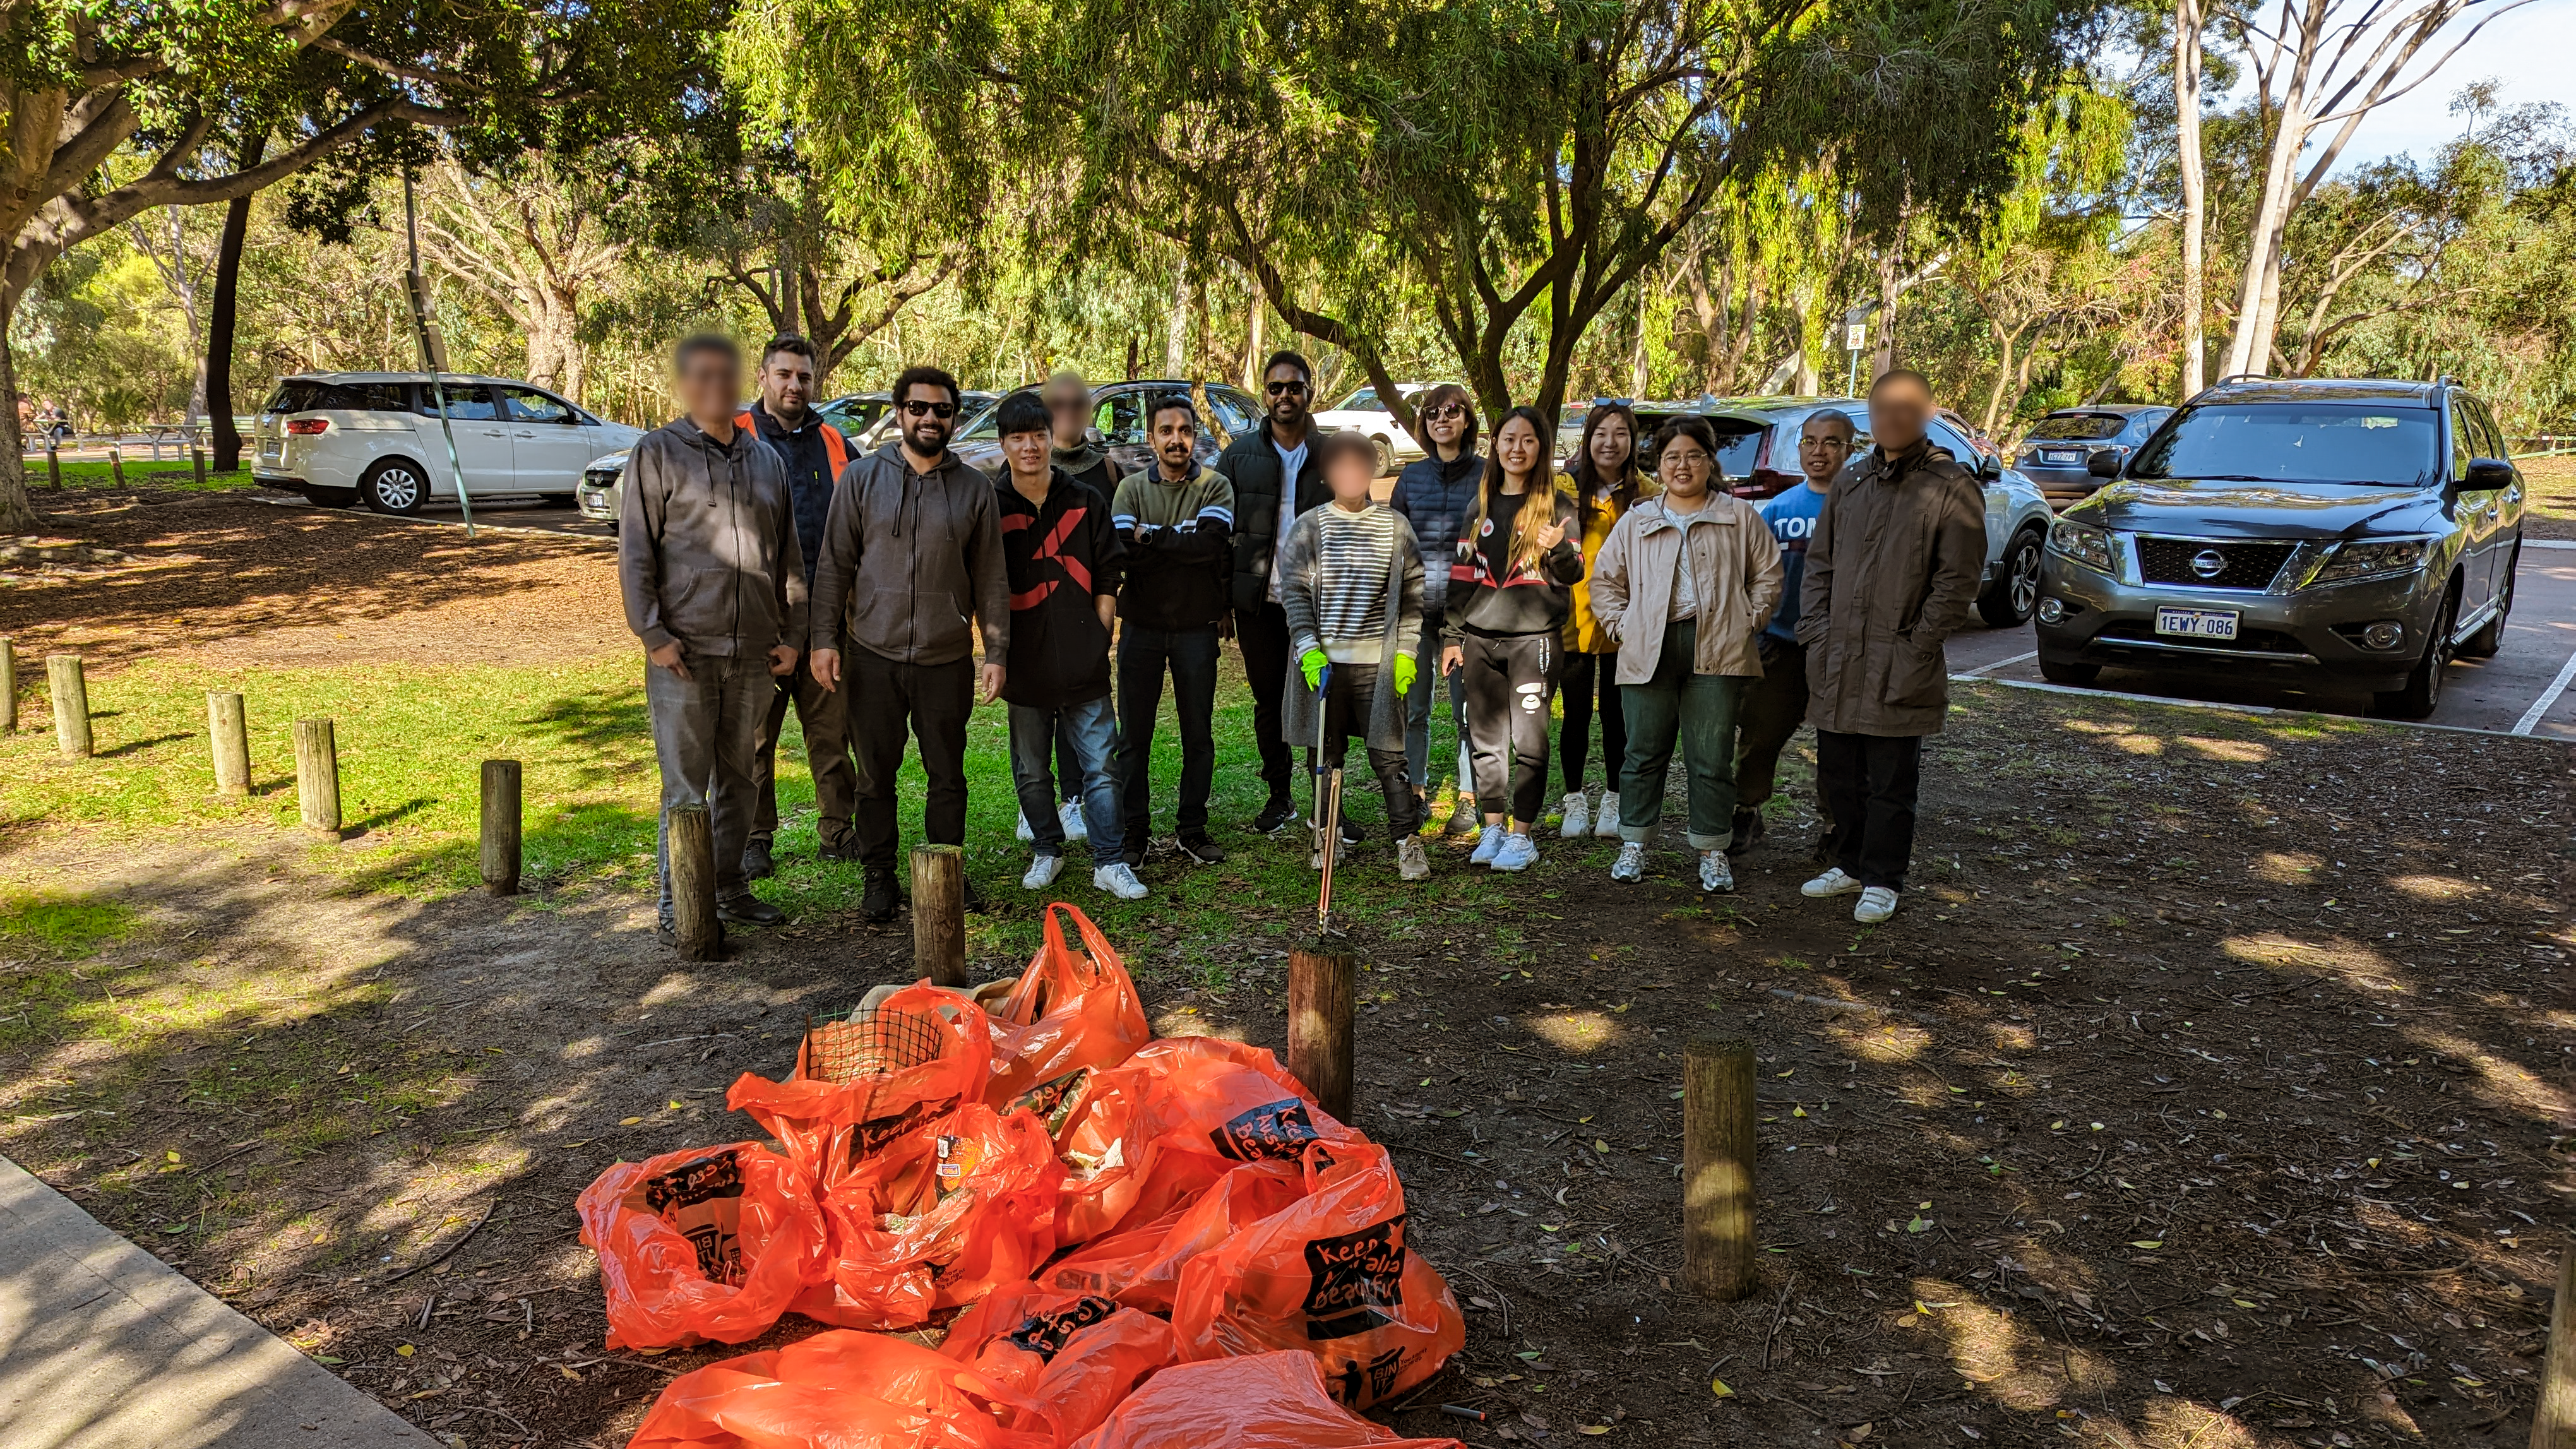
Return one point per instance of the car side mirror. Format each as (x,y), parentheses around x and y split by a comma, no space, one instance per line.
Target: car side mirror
(1989,467)
(1092,436)
(2489,473)
(2105,463)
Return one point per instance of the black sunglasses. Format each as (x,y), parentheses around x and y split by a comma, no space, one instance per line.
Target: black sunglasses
(1444,412)
(1284,389)
(931,409)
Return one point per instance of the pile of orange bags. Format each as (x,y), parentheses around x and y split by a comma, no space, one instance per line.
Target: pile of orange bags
(1129,1226)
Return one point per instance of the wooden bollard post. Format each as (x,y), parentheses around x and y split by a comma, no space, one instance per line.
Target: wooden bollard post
(1717,1168)
(116,463)
(197,456)
(70,689)
(53,461)
(692,843)
(8,686)
(501,827)
(317,775)
(228,735)
(1322,988)
(2553,1419)
(939,913)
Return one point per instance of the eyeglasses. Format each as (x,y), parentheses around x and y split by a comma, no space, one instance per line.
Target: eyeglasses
(1285,389)
(930,410)
(1444,412)
(1693,456)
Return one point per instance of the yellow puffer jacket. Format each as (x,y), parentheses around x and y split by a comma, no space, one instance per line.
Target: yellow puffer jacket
(1583,631)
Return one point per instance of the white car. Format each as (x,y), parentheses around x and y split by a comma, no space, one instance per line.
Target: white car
(1361,412)
(374,437)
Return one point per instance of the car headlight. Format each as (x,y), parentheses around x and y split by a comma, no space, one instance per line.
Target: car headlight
(2088,546)
(2351,561)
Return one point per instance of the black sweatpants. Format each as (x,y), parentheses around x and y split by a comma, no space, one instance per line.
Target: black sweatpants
(1774,706)
(890,703)
(1869,783)
(1508,679)
(1262,634)
(1347,706)
(1588,676)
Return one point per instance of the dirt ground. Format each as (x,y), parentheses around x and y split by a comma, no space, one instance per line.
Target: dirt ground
(2210,1090)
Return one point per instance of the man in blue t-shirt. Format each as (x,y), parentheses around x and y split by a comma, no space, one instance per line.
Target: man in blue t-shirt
(1777,703)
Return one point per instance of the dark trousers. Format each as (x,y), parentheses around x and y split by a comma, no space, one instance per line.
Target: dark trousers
(890,703)
(1586,677)
(705,728)
(1263,636)
(827,754)
(1698,711)
(1190,656)
(1347,706)
(1774,706)
(1869,783)
(1507,682)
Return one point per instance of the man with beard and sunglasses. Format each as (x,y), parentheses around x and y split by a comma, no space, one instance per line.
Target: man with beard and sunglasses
(1275,479)
(913,544)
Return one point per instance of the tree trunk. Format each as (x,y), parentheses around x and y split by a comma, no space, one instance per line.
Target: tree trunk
(1883,361)
(2003,370)
(2195,347)
(1176,333)
(2249,347)
(1255,323)
(219,327)
(17,511)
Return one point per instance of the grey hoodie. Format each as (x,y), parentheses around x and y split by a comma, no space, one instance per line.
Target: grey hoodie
(906,556)
(706,544)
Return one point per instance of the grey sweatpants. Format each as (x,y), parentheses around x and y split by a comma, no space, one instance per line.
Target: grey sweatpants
(706,731)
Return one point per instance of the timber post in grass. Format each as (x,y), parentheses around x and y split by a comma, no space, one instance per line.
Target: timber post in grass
(699,934)
(501,827)
(1717,1168)
(8,686)
(53,461)
(317,775)
(228,735)
(939,913)
(70,689)
(197,456)
(1322,989)
(116,463)
(2553,1419)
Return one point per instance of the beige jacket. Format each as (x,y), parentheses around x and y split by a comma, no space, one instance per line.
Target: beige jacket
(1893,568)
(1735,574)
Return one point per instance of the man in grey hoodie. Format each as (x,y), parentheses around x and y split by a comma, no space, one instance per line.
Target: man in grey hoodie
(715,587)
(913,544)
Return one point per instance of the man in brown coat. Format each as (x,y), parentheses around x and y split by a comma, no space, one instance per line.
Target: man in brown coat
(1891,573)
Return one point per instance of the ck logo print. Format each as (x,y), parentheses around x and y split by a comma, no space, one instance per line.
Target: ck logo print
(1277,1130)
(1354,1276)
(1045,1334)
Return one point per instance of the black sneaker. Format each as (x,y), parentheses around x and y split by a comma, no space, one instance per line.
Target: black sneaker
(846,848)
(756,862)
(974,897)
(748,910)
(1351,832)
(1748,830)
(1278,815)
(1197,846)
(882,900)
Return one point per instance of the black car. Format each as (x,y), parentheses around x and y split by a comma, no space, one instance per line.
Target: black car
(2057,453)
(1118,419)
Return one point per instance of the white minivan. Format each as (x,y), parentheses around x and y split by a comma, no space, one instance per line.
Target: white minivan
(374,437)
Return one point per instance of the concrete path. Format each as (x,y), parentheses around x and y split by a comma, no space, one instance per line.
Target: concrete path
(103,1346)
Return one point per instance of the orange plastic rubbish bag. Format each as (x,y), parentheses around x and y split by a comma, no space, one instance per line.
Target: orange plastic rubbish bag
(1141,1267)
(1076,1354)
(1329,1274)
(842,1390)
(937,1217)
(867,1079)
(1260,1401)
(714,1242)
(1071,1011)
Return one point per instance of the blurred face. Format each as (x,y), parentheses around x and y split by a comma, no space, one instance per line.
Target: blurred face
(710,385)
(1068,403)
(1611,445)
(1516,448)
(1349,478)
(1027,454)
(786,386)
(929,416)
(1286,393)
(1824,445)
(1176,437)
(1684,468)
(1899,410)
(1446,424)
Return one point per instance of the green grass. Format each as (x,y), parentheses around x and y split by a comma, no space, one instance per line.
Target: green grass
(61,926)
(168,473)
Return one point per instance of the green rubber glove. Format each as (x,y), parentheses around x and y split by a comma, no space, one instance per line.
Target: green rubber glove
(1406,666)
(1312,663)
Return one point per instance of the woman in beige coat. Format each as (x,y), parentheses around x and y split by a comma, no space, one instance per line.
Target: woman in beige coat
(1684,584)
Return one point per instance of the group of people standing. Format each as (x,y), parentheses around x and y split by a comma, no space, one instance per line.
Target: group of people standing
(765,567)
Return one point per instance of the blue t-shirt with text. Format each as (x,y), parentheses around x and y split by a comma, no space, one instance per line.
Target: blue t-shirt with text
(1792,516)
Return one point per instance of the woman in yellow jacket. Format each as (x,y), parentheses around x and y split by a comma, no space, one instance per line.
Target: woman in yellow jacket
(1607,483)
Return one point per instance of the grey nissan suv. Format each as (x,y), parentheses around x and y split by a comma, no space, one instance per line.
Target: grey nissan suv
(2361,531)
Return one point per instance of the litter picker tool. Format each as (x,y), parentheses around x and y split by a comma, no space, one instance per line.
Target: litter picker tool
(1328,804)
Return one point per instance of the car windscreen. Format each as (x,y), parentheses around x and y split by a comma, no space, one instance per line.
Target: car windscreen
(2085,429)
(1739,441)
(2364,444)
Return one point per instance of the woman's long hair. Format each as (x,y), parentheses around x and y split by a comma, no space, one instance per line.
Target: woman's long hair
(1429,398)
(1537,510)
(1625,487)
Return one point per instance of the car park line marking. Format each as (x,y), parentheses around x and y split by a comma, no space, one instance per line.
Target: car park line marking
(2549,543)
(1998,664)
(2557,686)
(2216,708)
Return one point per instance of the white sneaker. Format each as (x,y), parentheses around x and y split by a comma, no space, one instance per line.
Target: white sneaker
(1486,847)
(1042,872)
(1714,873)
(1410,862)
(1605,821)
(1876,904)
(1519,852)
(1578,817)
(1118,878)
(1631,864)
(1832,883)
(1023,831)
(1070,812)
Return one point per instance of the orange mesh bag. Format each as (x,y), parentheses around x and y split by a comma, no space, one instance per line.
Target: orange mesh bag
(1262,1401)
(842,1390)
(937,1216)
(865,1079)
(1329,1274)
(1071,1012)
(1076,1354)
(711,1243)
(1141,1267)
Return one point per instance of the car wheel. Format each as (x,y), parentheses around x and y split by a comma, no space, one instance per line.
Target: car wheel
(2015,592)
(1385,456)
(2423,690)
(395,486)
(2490,636)
(2079,675)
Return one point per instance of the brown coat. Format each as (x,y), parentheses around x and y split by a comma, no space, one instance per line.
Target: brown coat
(1892,571)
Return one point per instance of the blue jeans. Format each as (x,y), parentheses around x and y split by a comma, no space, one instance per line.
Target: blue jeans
(1087,734)
(1697,709)
(1143,656)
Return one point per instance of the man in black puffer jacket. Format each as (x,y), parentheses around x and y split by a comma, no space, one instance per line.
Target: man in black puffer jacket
(1275,480)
